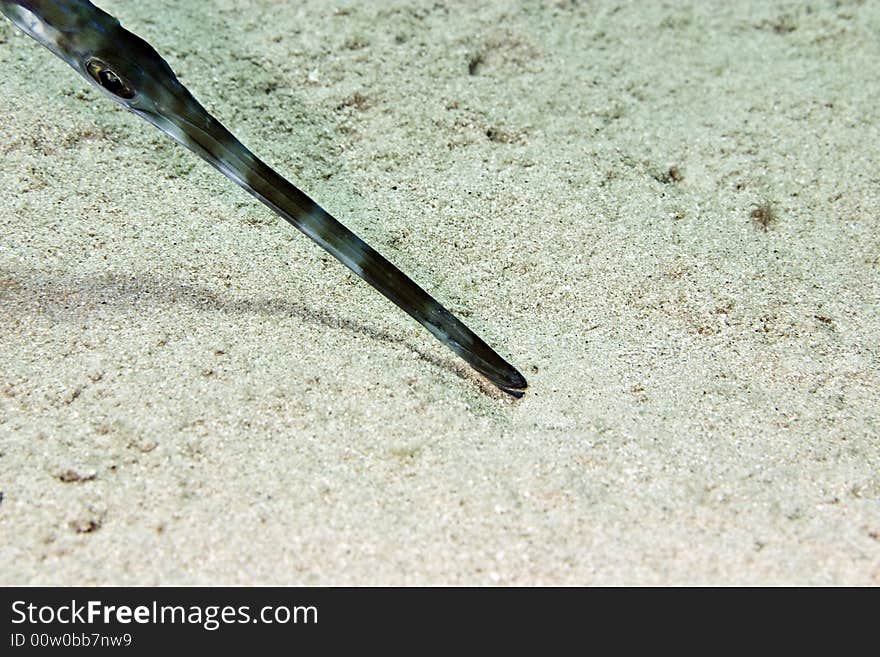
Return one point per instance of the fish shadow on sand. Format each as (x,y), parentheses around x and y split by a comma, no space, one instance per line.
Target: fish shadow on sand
(78,298)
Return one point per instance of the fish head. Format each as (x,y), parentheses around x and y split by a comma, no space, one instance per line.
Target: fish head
(121,65)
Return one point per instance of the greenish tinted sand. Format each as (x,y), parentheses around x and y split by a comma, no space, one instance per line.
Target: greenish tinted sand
(192,392)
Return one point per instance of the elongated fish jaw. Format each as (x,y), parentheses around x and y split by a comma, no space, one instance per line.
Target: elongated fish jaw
(191,125)
(188,123)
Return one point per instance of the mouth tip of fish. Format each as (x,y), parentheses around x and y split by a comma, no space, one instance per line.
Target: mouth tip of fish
(516,387)
(516,394)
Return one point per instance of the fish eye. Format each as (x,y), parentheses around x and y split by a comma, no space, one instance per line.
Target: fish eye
(107,78)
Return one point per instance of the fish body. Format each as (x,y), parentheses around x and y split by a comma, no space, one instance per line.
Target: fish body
(129,71)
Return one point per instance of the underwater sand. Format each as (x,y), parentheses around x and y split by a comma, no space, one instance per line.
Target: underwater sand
(193,392)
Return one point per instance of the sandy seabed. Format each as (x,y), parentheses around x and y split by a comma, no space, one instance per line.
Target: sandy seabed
(666,214)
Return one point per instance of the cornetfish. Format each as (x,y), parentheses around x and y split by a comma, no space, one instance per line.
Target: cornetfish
(129,71)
